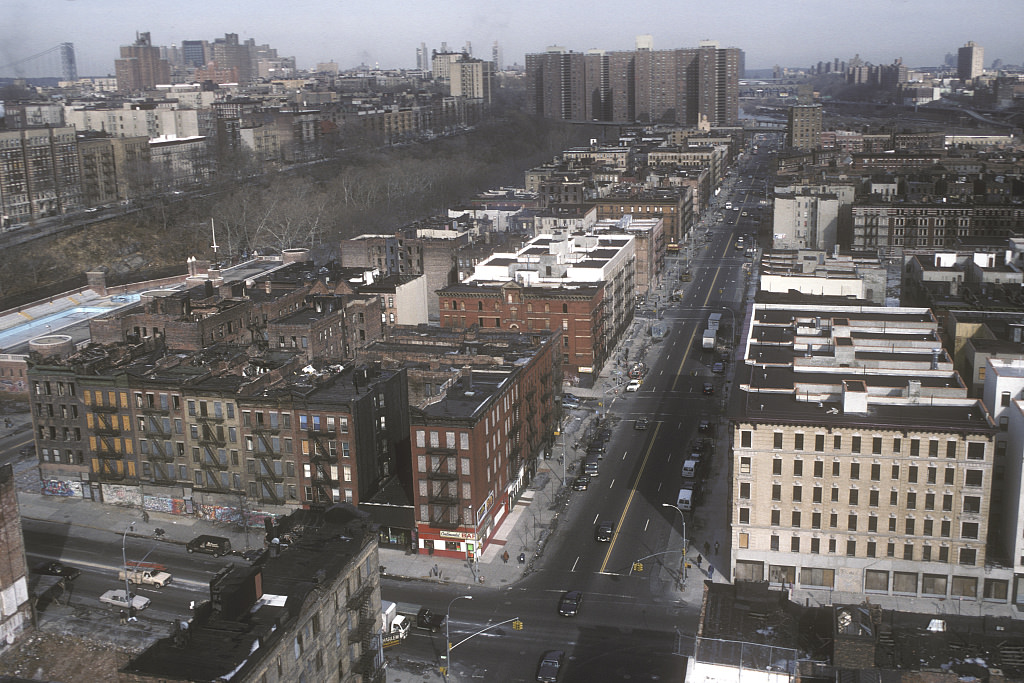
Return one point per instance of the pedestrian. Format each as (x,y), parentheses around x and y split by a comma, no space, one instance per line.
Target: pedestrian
(716,547)
(504,557)
(707,548)
(711,572)
(698,561)
(124,617)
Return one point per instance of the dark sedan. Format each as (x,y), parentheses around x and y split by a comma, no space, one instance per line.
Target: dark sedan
(58,569)
(569,605)
(581,483)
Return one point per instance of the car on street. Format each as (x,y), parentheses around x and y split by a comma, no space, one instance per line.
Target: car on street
(57,569)
(634,385)
(211,545)
(572,397)
(704,425)
(718,367)
(118,598)
(550,664)
(604,531)
(642,423)
(603,434)
(581,483)
(709,388)
(428,620)
(595,446)
(569,605)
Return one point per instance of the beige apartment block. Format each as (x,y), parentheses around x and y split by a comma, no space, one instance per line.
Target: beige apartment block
(859,465)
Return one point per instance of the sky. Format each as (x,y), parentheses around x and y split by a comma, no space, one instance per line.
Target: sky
(386,33)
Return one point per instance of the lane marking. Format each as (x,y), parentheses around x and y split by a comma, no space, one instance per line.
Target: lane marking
(629,500)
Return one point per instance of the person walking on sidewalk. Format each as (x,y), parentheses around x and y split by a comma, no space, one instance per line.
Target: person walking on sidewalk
(504,557)
(716,547)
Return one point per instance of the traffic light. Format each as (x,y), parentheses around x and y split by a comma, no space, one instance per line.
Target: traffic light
(638,566)
(517,625)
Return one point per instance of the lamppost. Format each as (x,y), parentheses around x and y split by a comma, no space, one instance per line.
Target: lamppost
(447,638)
(124,565)
(682,560)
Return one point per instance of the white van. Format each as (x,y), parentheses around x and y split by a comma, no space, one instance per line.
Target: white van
(690,469)
(685,500)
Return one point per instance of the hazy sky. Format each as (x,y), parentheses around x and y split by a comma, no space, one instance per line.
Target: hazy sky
(386,32)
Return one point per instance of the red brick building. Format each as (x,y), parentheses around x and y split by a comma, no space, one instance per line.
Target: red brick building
(476,449)
(579,311)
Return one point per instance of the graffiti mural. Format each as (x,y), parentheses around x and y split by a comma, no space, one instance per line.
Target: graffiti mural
(118,494)
(56,487)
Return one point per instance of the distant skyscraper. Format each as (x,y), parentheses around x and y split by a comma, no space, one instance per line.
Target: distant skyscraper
(468,49)
(804,126)
(498,57)
(68,66)
(422,58)
(140,66)
(686,86)
(193,52)
(970,62)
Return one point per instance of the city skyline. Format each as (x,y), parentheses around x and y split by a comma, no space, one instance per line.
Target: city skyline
(387,34)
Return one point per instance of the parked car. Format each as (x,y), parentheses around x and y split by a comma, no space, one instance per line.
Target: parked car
(569,605)
(595,447)
(58,569)
(603,434)
(550,664)
(705,425)
(642,423)
(634,385)
(572,397)
(604,532)
(118,598)
(581,483)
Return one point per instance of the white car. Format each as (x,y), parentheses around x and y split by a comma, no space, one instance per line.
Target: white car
(634,385)
(117,599)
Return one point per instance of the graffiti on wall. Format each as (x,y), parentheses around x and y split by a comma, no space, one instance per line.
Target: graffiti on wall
(57,487)
(119,494)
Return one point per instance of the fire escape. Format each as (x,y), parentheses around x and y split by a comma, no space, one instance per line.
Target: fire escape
(157,429)
(110,459)
(323,461)
(269,473)
(443,488)
(213,457)
(370,663)
(515,435)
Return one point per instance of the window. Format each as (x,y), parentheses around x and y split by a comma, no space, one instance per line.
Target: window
(972,504)
(798,493)
(912,474)
(915,447)
(798,468)
(816,497)
(776,491)
(933,584)
(876,445)
(854,470)
(794,544)
(777,444)
(775,543)
(944,553)
(908,551)
(744,515)
(892,524)
(851,548)
(798,442)
(895,472)
(831,545)
(815,546)
(975,450)
(777,466)
(745,489)
(810,576)
(928,527)
(904,582)
(745,439)
(796,519)
(815,520)
(926,553)
(933,448)
(965,586)
(1004,399)
(851,522)
(819,442)
(854,496)
(873,498)
(945,528)
(744,540)
(833,520)
(932,474)
(745,464)
(969,530)
(819,468)
(873,523)
(837,442)
(876,472)
(876,580)
(776,517)
(890,549)
(972,478)
(968,556)
(996,589)
(911,500)
(855,444)
(897,444)
(949,476)
(835,468)
(835,494)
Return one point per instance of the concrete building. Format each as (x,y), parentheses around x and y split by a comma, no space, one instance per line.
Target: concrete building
(685,86)
(859,464)
(806,219)
(310,612)
(970,61)
(472,78)
(17,616)
(855,276)
(893,227)
(803,126)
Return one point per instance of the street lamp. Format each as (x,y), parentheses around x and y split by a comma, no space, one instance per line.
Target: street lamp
(447,638)
(682,518)
(124,565)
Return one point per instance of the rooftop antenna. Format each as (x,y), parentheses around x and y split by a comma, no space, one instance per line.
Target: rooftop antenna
(214,231)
